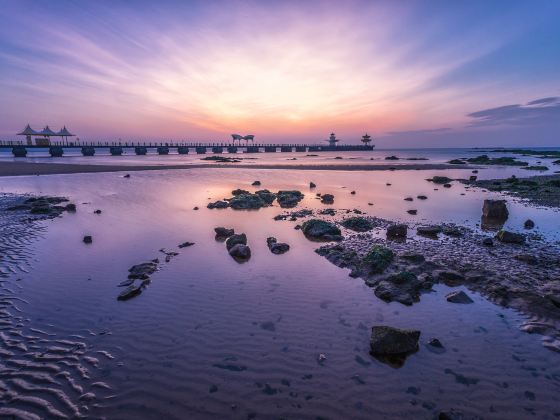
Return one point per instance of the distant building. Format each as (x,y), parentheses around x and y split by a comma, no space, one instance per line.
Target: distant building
(332,140)
(366,139)
(43,137)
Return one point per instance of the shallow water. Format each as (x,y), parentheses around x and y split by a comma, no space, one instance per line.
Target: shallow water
(211,338)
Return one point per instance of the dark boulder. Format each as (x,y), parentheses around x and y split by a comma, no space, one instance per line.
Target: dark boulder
(288,199)
(321,230)
(487,242)
(255,183)
(88,239)
(277,247)
(312,185)
(529,224)
(327,199)
(397,231)
(246,202)
(358,224)
(440,180)
(131,291)
(266,196)
(236,239)
(240,252)
(495,209)
(391,341)
(186,244)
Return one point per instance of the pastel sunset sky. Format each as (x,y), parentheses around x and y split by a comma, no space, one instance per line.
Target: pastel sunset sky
(410,73)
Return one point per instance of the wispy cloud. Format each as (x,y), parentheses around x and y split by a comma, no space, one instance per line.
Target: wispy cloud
(538,112)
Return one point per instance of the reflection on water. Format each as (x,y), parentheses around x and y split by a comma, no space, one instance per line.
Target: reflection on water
(210,338)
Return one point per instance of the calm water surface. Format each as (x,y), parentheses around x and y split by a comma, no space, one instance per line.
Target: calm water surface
(211,338)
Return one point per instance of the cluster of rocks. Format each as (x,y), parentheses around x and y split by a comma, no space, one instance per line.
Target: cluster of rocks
(139,275)
(540,190)
(514,271)
(245,200)
(44,206)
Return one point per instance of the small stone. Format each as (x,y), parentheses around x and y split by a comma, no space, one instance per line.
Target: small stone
(256,183)
(529,224)
(126,176)
(195,208)
(458,297)
(434,342)
(312,185)
(88,239)
(186,244)
(422,197)
(413,212)
(408,199)
(487,242)
(510,237)
(70,207)
(397,231)
(327,199)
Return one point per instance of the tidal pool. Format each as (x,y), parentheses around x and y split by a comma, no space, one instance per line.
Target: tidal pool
(212,338)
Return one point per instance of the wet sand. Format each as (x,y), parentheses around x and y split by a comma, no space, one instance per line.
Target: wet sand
(32,168)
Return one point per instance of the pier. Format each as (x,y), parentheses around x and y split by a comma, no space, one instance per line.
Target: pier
(58,148)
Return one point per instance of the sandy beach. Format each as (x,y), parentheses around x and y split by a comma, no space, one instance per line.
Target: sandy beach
(33,168)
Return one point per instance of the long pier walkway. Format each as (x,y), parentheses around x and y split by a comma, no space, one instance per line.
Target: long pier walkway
(56,149)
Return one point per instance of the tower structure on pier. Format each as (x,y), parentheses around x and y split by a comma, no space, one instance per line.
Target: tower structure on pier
(332,140)
(366,139)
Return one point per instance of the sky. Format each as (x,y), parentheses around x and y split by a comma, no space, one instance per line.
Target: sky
(409,73)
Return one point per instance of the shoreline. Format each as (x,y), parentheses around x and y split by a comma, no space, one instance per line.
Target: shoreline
(33,168)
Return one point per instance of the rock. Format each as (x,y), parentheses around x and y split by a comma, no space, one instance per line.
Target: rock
(352,192)
(434,342)
(458,297)
(288,199)
(130,291)
(142,271)
(240,252)
(391,158)
(527,259)
(487,242)
(403,287)
(510,237)
(412,212)
(312,185)
(408,199)
(317,229)
(457,162)
(391,341)
(495,209)
(378,259)
(266,196)
(222,232)
(440,180)
(357,224)
(236,239)
(255,183)
(328,212)
(422,197)
(186,244)
(277,247)
(239,192)
(529,224)
(126,176)
(88,239)
(195,208)
(97,211)
(472,178)
(327,199)
(70,207)
(220,204)
(430,231)
(246,201)
(397,231)
(452,231)
(446,185)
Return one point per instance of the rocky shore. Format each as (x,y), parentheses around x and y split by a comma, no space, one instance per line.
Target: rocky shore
(542,190)
(402,262)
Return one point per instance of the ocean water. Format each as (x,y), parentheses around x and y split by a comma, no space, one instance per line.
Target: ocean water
(211,338)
